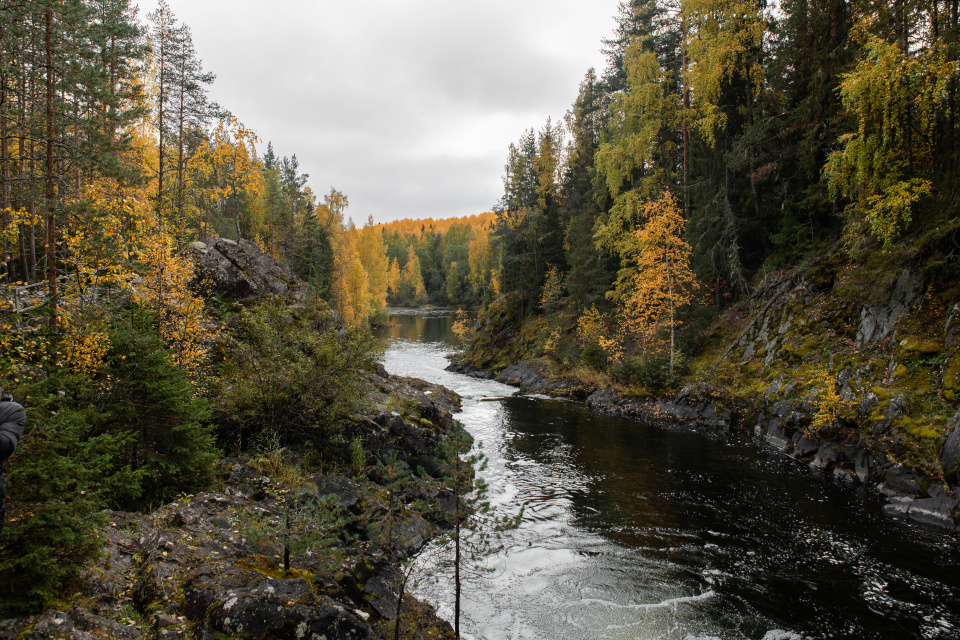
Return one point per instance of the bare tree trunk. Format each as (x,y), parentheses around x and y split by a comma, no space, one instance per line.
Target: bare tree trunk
(686,123)
(21,165)
(160,100)
(50,191)
(32,203)
(456,577)
(403,588)
(7,256)
(180,118)
(670,294)
(456,539)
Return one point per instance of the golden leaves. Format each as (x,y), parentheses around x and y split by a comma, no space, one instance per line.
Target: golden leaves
(165,290)
(663,280)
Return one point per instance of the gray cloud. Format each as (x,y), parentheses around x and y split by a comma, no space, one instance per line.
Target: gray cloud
(406,106)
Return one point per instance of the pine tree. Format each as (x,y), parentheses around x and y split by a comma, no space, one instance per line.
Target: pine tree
(190,108)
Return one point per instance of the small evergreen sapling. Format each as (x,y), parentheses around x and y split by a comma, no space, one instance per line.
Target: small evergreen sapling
(471,530)
(302,522)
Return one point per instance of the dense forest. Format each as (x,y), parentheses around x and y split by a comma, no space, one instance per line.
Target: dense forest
(118,173)
(726,140)
(726,143)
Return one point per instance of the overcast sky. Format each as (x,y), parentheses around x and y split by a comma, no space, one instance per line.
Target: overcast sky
(407,106)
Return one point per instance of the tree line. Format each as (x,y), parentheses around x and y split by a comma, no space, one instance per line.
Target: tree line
(440,262)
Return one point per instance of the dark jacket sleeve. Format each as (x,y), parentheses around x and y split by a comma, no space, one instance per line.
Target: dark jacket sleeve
(12,419)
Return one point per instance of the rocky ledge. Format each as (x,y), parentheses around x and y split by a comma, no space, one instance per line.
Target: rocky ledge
(700,406)
(908,493)
(530,376)
(188,571)
(238,270)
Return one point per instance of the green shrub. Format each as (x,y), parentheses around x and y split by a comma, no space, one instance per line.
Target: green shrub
(293,373)
(146,399)
(59,480)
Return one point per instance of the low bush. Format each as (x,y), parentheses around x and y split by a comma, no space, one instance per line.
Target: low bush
(293,374)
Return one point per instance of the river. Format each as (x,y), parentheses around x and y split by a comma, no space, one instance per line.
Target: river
(633,531)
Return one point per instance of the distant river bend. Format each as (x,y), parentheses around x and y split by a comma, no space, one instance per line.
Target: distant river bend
(638,532)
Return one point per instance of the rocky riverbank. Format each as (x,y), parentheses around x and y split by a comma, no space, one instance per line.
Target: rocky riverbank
(190,569)
(777,422)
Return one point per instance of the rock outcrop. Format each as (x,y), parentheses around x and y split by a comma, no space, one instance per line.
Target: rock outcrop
(530,376)
(238,269)
(700,406)
(950,452)
(908,494)
(190,572)
(878,319)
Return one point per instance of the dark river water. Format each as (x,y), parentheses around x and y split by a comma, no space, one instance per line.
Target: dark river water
(633,531)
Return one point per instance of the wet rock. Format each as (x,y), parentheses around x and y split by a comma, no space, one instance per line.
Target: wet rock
(864,465)
(805,447)
(901,482)
(699,406)
(825,457)
(844,475)
(934,511)
(776,435)
(473,372)
(525,375)
(897,508)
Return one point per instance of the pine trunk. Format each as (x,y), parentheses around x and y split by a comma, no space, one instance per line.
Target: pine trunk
(180,119)
(50,187)
(7,255)
(686,124)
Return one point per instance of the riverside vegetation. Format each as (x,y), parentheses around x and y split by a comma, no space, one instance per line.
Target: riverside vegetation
(750,219)
(127,517)
(208,423)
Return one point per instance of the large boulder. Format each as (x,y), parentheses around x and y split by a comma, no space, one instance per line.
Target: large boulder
(238,269)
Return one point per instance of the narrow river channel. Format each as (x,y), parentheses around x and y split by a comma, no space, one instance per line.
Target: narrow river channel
(632,531)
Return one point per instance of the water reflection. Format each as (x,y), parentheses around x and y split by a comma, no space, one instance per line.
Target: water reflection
(638,532)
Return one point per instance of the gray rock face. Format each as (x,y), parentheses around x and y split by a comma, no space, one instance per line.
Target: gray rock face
(68,625)
(901,482)
(950,453)
(897,508)
(878,320)
(852,463)
(776,435)
(238,269)
(342,487)
(282,609)
(805,447)
(825,457)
